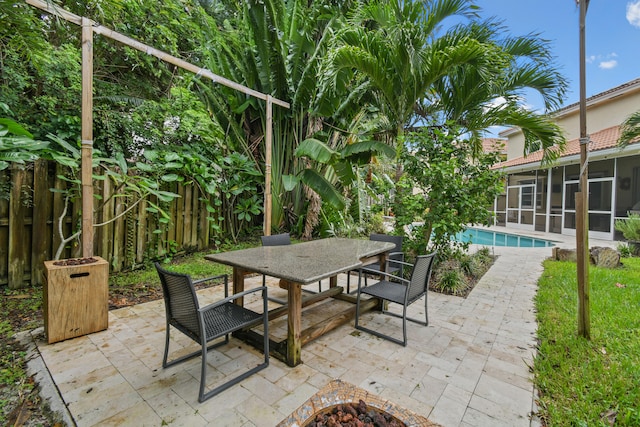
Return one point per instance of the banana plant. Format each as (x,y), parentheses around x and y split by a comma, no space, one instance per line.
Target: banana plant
(275,47)
(333,168)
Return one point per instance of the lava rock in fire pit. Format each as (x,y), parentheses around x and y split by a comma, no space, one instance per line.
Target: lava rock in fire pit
(76,261)
(354,415)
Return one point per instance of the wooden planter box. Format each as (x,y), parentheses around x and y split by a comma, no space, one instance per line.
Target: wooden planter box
(76,299)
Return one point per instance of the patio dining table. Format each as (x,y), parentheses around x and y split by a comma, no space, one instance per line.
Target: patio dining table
(297,265)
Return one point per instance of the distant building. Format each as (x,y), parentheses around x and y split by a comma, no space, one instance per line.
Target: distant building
(495,145)
(543,199)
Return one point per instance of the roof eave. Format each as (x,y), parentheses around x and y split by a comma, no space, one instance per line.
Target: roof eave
(608,153)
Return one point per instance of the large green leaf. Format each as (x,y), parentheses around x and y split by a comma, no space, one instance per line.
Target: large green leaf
(11,126)
(368,147)
(345,171)
(75,152)
(145,167)
(323,187)
(171,177)
(316,150)
(290,182)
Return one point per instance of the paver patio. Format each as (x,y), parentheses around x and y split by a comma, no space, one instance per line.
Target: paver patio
(469,367)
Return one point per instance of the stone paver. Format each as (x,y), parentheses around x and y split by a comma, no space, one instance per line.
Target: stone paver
(469,367)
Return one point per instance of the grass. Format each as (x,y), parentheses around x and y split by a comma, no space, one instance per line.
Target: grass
(193,264)
(589,382)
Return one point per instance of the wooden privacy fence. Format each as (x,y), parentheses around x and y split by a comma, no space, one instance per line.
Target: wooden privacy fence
(30,211)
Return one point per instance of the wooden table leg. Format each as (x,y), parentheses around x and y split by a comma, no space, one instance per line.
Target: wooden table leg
(294,323)
(238,283)
(383,262)
(333,281)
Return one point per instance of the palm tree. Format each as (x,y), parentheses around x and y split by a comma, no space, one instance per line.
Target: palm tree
(630,131)
(415,69)
(394,45)
(477,98)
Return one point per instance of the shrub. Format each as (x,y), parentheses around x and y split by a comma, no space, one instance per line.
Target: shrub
(449,278)
(624,249)
(629,227)
(458,272)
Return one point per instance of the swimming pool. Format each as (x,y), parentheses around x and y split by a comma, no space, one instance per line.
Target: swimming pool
(496,238)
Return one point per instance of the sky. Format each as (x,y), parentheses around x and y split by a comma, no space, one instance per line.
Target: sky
(612,39)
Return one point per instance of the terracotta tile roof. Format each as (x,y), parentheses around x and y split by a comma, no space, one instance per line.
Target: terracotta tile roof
(494,145)
(601,140)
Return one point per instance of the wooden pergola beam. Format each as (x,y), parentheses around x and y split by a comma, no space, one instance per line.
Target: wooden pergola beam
(90,27)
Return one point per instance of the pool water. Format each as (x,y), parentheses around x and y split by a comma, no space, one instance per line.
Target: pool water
(496,238)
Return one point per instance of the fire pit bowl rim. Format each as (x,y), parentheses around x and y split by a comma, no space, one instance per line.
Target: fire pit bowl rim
(340,392)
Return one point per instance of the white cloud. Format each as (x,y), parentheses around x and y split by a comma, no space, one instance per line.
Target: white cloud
(605,62)
(633,13)
(607,65)
(498,102)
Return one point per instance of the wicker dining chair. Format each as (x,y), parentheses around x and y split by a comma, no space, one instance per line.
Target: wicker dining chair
(400,291)
(206,324)
(394,260)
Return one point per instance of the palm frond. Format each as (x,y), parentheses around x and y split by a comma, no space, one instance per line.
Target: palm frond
(630,131)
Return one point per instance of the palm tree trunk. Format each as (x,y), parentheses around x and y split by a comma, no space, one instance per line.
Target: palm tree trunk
(313,212)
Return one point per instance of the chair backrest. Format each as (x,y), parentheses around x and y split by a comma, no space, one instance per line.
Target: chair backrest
(396,240)
(180,301)
(276,240)
(420,276)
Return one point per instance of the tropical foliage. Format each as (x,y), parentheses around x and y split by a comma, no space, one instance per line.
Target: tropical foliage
(415,68)
(16,143)
(444,189)
(277,48)
(357,75)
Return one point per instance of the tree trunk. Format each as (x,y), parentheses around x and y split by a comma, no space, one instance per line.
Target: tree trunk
(313,212)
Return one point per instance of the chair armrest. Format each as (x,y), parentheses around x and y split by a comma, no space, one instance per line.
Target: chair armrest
(389,275)
(233,297)
(389,261)
(408,264)
(207,279)
(220,276)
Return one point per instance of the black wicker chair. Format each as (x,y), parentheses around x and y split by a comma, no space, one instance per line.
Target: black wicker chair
(281,239)
(400,291)
(394,260)
(209,323)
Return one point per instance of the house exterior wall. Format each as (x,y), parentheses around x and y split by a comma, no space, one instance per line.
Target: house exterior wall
(602,112)
(540,199)
(601,116)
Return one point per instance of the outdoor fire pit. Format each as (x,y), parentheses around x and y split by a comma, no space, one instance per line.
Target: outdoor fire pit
(76,297)
(340,396)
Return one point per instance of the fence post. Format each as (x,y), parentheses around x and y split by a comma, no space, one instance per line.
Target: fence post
(40,232)
(17,235)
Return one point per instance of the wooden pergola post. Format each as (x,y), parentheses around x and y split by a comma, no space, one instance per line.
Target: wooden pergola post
(268,147)
(87,138)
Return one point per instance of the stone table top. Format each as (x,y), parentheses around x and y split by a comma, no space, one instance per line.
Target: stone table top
(305,262)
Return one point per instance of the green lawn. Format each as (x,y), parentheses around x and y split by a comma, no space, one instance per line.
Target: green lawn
(596,382)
